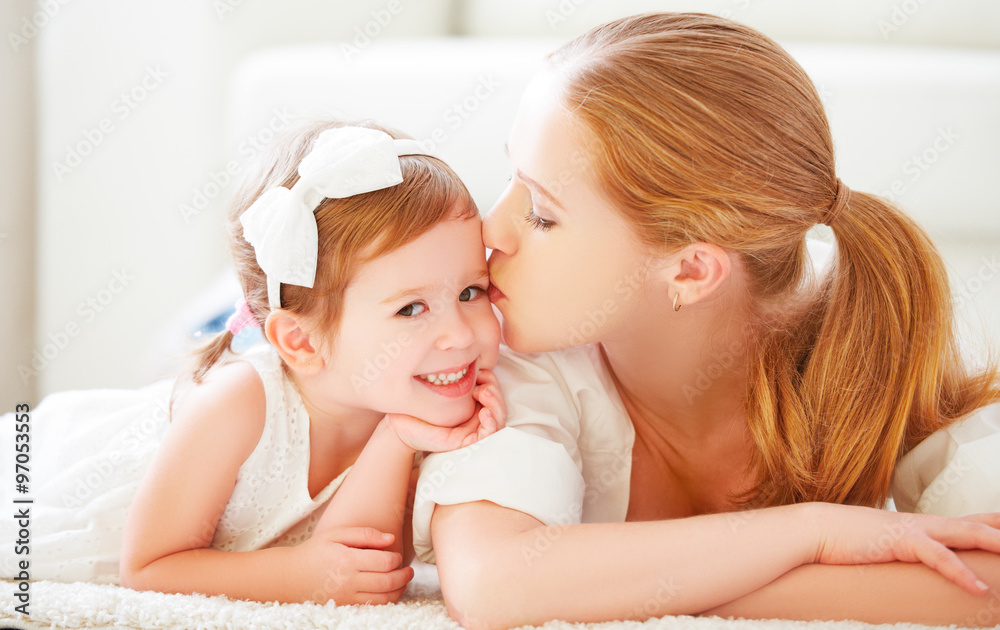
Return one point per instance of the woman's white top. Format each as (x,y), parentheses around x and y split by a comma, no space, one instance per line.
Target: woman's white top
(564,457)
(90,450)
(566,453)
(955,471)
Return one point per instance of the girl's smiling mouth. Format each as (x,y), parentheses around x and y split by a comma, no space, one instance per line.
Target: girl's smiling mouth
(453,382)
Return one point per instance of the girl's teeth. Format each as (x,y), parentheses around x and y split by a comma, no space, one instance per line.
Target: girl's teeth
(445,378)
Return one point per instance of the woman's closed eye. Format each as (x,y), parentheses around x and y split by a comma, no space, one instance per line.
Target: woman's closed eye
(538,222)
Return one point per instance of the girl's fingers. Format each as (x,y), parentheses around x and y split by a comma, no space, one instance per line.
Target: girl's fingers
(487,377)
(468,440)
(490,397)
(382,584)
(361,537)
(379,599)
(375,561)
(488,421)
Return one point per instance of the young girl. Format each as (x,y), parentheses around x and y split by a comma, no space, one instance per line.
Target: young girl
(283,473)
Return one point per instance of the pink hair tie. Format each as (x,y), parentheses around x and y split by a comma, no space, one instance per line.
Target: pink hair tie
(241,319)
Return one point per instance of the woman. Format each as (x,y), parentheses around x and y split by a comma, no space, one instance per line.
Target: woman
(666,169)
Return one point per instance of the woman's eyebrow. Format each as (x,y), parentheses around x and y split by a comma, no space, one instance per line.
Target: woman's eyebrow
(539,188)
(532,183)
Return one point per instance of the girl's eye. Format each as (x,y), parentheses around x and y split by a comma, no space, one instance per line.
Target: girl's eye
(410,310)
(471,293)
(538,222)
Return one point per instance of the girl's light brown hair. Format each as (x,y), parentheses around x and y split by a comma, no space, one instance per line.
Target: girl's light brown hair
(351,231)
(703,130)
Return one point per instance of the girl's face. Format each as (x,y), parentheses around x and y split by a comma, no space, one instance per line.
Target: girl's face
(417,326)
(566,268)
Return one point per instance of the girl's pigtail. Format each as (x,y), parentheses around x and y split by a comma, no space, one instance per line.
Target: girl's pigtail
(209,354)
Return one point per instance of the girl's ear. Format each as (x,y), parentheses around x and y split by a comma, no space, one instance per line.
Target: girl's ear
(286,332)
(695,272)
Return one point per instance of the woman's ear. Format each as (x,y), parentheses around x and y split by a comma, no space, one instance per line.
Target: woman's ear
(286,332)
(695,272)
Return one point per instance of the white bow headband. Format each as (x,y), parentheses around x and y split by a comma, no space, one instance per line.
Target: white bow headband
(280,224)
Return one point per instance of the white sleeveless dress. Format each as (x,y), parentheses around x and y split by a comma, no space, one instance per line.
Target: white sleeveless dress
(90,449)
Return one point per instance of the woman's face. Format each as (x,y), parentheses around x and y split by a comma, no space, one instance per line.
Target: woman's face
(566,269)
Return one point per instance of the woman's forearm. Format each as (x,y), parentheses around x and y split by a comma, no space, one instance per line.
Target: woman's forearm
(875,593)
(500,568)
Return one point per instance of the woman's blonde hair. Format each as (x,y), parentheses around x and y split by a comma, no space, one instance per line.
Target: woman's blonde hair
(351,231)
(703,130)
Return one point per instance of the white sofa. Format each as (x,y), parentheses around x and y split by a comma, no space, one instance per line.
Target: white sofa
(141,107)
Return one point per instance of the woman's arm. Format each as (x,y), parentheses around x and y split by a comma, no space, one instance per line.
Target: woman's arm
(875,593)
(502,568)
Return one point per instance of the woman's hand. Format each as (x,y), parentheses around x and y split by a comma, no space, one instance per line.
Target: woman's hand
(489,417)
(350,566)
(857,535)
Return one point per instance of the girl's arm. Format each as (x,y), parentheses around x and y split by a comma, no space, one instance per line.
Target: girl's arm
(375,490)
(502,568)
(214,428)
(384,470)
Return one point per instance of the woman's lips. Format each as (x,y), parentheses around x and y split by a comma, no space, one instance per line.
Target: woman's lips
(495,294)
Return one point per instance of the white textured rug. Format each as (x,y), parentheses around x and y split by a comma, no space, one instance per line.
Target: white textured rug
(83,605)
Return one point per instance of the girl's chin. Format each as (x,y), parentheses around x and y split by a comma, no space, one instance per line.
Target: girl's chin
(450,422)
(450,415)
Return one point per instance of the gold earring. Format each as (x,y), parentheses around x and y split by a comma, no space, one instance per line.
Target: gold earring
(677,306)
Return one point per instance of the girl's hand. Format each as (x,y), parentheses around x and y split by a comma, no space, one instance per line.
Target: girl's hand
(856,535)
(350,566)
(489,417)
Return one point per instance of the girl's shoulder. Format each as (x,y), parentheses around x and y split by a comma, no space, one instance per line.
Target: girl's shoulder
(228,406)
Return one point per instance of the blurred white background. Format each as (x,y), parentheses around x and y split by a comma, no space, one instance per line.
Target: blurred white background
(126,123)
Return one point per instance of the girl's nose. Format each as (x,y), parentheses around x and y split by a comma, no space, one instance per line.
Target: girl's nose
(455,331)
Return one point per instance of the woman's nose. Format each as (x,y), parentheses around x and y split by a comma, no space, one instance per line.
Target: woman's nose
(499,230)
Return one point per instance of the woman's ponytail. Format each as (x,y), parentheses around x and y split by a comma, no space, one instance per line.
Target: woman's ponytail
(700,129)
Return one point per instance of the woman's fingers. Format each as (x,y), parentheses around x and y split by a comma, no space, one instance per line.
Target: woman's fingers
(967,533)
(947,563)
(991,518)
